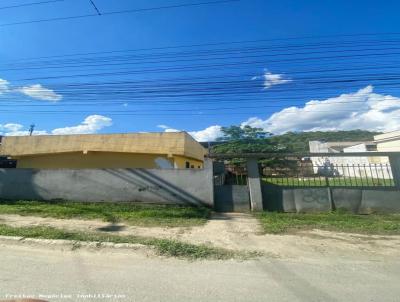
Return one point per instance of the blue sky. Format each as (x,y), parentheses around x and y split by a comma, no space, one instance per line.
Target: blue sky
(295,35)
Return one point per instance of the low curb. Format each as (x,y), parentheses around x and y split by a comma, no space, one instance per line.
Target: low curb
(72,244)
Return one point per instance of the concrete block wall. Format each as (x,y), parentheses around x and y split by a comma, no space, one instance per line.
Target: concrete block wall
(306,200)
(309,200)
(375,201)
(173,186)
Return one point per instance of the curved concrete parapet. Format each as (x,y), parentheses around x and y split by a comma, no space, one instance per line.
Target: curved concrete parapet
(312,200)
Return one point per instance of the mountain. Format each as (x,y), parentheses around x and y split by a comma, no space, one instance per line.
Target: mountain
(290,142)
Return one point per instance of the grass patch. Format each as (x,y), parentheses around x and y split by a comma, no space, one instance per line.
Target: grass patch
(133,214)
(278,223)
(164,247)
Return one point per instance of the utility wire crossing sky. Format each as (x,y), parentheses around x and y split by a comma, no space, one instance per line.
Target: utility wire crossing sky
(196,66)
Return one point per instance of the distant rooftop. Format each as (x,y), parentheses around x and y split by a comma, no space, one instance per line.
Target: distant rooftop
(393,135)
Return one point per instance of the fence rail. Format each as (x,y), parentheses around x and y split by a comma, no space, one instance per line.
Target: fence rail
(315,170)
(332,175)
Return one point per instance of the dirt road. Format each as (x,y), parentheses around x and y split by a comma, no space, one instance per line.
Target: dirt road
(120,275)
(242,232)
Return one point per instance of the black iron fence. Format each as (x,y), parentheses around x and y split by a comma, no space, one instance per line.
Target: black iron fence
(340,175)
(335,170)
(230,174)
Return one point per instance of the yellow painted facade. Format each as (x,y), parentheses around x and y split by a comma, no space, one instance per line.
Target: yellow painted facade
(135,150)
(184,163)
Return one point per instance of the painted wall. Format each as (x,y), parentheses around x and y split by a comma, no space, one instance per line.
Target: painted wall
(102,160)
(180,163)
(101,185)
(93,160)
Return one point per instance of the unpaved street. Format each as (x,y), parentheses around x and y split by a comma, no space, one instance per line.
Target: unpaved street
(132,276)
(309,266)
(241,232)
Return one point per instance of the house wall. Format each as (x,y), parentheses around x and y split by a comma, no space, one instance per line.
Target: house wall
(180,162)
(93,160)
(103,160)
(352,166)
(389,146)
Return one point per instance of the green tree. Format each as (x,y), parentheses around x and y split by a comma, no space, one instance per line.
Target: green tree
(251,142)
(236,133)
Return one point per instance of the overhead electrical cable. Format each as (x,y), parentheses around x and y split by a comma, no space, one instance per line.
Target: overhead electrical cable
(128,11)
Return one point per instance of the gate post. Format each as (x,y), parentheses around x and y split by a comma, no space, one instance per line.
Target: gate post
(395,166)
(254,183)
(209,174)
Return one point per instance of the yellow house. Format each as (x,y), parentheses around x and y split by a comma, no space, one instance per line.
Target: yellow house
(93,151)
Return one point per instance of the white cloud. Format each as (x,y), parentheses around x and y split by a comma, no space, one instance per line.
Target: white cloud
(206,135)
(163,126)
(26,133)
(4,86)
(272,79)
(12,129)
(172,130)
(91,124)
(209,134)
(363,109)
(37,91)
(168,128)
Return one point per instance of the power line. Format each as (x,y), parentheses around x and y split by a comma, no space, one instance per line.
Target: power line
(139,61)
(30,4)
(351,43)
(95,7)
(119,12)
(207,67)
(210,94)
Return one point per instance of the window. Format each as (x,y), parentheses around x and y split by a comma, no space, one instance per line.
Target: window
(192,166)
(187,165)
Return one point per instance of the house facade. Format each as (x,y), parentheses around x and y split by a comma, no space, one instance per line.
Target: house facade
(357,166)
(101,151)
(388,142)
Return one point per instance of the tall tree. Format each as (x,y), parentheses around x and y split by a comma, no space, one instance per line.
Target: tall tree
(236,133)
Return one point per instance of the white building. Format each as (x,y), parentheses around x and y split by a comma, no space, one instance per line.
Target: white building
(357,166)
(388,142)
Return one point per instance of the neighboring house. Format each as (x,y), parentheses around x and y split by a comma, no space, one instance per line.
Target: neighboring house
(338,147)
(388,142)
(374,167)
(91,151)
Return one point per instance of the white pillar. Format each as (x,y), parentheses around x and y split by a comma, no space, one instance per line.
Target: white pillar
(254,183)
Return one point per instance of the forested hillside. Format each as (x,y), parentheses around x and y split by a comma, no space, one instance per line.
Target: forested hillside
(289,142)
